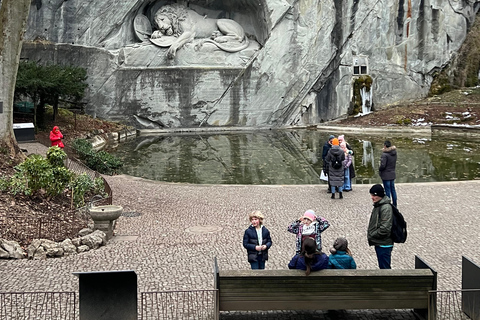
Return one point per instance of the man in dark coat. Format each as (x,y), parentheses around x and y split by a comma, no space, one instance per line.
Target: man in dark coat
(380,227)
(335,175)
(388,163)
(326,147)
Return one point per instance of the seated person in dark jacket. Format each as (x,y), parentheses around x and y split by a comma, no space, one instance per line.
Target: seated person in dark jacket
(309,259)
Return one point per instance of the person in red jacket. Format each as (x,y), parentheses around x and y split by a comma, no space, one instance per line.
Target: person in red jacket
(56,137)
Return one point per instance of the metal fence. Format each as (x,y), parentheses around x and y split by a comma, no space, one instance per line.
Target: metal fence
(56,226)
(450,304)
(78,167)
(38,305)
(193,304)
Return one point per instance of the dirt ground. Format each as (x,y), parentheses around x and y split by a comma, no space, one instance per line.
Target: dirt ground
(460,106)
(39,205)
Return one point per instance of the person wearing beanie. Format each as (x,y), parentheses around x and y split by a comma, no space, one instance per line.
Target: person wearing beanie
(310,259)
(341,257)
(308,226)
(257,241)
(380,226)
(327,146)
(335,173)
(388,162)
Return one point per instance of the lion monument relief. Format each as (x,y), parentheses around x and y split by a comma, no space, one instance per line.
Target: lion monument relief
(177,25)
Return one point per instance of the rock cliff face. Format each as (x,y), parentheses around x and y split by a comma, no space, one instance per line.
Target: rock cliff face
(299,67)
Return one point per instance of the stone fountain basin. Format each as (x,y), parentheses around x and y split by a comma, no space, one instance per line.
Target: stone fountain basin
(105,213)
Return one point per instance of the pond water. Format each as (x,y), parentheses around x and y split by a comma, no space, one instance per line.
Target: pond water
(290,157)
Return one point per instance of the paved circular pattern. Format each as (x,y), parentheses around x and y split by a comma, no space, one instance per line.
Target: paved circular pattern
(204,229)
(131,214)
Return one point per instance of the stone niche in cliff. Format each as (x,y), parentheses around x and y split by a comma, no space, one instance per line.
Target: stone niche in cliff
(184,60)
(156,64)
(198,34)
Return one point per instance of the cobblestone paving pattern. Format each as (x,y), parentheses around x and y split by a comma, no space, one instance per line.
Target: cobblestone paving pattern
(182,227)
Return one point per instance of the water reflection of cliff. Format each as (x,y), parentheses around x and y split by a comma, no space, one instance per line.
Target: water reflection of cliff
(249,158)
(283,157)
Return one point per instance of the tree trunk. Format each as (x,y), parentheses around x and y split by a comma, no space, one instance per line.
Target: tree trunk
(40,124)
(13,21)
(55,107)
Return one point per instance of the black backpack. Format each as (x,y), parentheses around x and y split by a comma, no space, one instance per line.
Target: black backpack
(399,226)
(336,163)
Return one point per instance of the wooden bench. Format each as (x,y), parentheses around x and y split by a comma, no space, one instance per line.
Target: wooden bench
(247,290)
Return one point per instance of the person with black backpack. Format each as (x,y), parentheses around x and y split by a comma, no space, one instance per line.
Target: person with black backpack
(380,226)
(334,160)
(325,149)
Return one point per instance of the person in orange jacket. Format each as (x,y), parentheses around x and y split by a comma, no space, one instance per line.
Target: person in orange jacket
(56,137)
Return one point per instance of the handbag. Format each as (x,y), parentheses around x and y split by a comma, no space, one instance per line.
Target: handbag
(323,176)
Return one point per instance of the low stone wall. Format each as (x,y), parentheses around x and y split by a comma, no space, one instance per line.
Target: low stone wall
(455,131)
(113,138)
(41,249)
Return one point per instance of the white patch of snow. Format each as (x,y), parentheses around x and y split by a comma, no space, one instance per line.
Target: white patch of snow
(362,114)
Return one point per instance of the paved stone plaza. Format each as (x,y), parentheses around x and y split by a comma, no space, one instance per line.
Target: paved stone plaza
(172,232)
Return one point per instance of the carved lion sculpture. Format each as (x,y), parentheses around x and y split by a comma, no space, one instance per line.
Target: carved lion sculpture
(180,25)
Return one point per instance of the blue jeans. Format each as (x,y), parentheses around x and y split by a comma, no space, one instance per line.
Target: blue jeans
(347,182)
(384,256)
(389,186)
(259,264)
(340,189)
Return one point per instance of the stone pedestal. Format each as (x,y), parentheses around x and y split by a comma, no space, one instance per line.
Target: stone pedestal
(106,226)
(104,218)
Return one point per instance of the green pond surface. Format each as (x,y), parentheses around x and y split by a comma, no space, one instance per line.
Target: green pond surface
(277,157)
